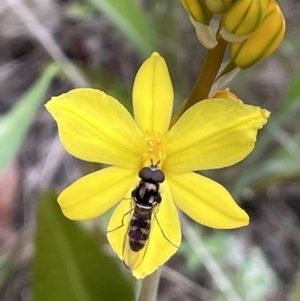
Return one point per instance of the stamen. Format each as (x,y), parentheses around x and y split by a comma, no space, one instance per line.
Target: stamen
(155,153)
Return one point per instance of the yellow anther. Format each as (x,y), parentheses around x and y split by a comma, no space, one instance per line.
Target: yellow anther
(155,151)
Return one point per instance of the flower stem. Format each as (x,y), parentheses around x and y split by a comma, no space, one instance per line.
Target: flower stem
(208,74)
(149,287)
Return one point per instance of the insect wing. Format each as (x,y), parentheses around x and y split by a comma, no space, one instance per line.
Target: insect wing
(133,259)
(118,226)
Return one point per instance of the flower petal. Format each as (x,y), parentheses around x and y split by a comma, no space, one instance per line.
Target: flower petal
(213,133)
(94,194)
(94,126)
(206,201)
(153,95)
(164,238)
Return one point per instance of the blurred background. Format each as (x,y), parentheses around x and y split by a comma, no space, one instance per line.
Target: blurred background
(101,44)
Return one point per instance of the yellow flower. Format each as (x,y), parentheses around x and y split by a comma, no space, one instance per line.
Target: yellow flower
(263,42)
(212,134)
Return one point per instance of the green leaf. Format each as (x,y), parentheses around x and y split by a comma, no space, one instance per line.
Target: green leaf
(69,265)
(131,21)
(14,125)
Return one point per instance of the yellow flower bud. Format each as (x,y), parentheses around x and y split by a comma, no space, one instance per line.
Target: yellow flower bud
(226,94)
(218,6)
(263,42)
(206,28)
(244,16)
(197,10)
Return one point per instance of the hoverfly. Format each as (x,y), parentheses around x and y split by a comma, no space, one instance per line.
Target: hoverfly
(146,198)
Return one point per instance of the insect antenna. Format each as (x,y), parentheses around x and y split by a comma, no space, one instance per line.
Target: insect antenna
(154,164)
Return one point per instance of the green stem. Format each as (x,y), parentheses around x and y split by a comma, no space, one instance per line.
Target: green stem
(208,74)
(149,287)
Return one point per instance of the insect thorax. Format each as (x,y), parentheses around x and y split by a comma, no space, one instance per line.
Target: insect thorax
(146,195)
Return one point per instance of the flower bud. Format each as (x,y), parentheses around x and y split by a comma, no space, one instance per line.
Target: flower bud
(206,28)
(263,42)
(197,10)
(218,6)
(226,94)
(245,16)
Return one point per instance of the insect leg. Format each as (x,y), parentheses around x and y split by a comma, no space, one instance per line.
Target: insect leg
(164,233)
(122,225)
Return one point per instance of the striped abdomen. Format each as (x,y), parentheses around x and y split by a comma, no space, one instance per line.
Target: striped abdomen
(139,229)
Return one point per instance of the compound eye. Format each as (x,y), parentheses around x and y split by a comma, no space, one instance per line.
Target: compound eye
(145,173)
(158,176)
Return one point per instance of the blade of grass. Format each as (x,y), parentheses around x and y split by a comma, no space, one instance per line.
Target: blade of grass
(42,34)
(130,20)
(14,125)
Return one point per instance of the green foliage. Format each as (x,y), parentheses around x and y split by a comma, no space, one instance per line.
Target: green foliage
(237,272)
(6,266)
(15,124)
(130,20)
(292,98)
(69,265)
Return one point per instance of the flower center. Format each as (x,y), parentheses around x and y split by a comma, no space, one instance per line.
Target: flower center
(155,152)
